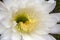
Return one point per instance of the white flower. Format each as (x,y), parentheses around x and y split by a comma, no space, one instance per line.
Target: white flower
(28,20)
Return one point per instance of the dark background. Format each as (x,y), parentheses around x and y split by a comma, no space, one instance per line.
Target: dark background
(56,10)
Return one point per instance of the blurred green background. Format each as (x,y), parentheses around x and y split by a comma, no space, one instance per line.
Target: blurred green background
(56,10)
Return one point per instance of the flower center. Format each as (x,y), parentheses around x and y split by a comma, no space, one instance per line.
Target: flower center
(25,24)
(21,18)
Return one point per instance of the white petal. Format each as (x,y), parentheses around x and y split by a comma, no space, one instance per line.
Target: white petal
(6,35)
(3,11)
(26,37)
(2,28)
(37,37)
(42,37)
(6,22)
(56,16)
(12,5)
(2,7)
(16,36)
(3,15)
(55,29)
(5,19)
(31,37)
(45,23)
(48,37)
(50,5)
(23,3)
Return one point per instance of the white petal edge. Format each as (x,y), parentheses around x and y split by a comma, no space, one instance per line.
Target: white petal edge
(55,29)
(55,16)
